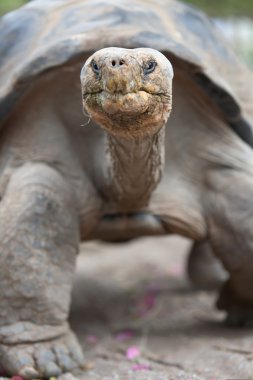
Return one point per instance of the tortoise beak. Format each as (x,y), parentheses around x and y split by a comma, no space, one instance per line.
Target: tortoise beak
(120,75)
(116,82)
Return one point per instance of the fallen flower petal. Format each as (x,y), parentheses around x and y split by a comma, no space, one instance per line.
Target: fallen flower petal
(132,352)
(141,367)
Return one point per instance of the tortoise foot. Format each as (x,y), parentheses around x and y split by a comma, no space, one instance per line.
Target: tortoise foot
(239,312)
(42,359)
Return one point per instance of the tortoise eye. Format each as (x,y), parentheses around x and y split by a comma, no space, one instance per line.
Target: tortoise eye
(149,67)
(95,67)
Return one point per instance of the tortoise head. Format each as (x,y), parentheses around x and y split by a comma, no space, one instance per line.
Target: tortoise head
(128,91)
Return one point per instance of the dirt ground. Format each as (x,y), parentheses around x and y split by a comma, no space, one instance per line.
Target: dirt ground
(138,318)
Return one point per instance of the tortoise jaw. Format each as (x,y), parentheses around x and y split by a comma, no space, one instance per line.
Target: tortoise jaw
(129,103)
(134,114)
(132,103)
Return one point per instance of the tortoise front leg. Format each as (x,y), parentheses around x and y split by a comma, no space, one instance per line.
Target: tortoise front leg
(230,219)
(39,238)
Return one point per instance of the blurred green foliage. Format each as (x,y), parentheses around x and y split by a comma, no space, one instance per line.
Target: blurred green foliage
(9,5)
(225,8)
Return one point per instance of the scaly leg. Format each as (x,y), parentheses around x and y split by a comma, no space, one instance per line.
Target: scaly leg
(230,211)
(39,237)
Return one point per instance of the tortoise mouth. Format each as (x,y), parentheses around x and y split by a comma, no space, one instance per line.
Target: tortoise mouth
(132,114)
(132,103)
(129,103)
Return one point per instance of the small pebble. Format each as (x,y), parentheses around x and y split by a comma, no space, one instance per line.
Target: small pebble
(87,366)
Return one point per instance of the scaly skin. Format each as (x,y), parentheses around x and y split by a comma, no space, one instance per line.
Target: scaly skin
(231,237)
(39,243)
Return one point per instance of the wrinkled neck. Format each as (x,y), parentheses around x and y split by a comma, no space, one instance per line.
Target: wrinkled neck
(134,169)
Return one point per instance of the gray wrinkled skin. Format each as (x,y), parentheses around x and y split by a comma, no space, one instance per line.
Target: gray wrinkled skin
(135,163)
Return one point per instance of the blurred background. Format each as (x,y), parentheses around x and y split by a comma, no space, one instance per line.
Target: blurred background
(233,17)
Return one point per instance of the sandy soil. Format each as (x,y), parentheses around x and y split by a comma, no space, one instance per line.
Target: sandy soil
(133,300)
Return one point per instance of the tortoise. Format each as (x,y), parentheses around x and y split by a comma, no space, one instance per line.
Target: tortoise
(121,161)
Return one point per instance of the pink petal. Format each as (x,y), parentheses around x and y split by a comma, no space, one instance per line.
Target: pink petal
(124,335)
(132,352)
(141,367)
(92,339)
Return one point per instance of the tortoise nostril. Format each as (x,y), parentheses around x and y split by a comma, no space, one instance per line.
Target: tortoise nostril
(117,62)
